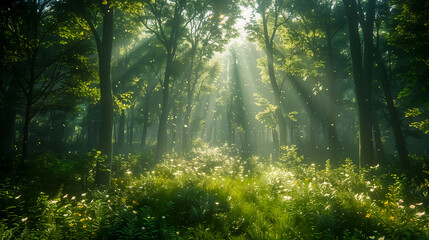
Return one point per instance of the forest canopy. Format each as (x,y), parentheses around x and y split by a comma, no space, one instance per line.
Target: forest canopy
(214,119)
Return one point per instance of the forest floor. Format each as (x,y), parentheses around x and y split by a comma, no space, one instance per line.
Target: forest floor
(213,194)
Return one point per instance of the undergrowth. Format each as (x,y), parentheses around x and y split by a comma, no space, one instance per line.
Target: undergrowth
(212,194)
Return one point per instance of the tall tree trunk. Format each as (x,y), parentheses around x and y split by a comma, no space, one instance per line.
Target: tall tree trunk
(7,119)
(271,73)
(368,62)
(91,127)
(312,132)
(29,95)
(8,122)
(161,144)
(27,120)
(292,128)
(332,134)
(276,148)
(362,74)
(214,133)
(121,132)
(189,91)
(145,122)
(185,132)
(106,101)
(59,132)
(170,45)
(393,113)
(130,132)
(381,157)
(311,109)
(242,119)
(229,116)
(7,140)
(173,129)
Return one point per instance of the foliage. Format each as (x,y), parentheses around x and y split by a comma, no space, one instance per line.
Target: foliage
(267,116)
(421,124)
(410,21)
(209,195)
(123,101)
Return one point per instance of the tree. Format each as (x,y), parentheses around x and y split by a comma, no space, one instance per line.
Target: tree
(273,16)
(311,34)
(104,49)
(34,47)
(362,66)
(165,20)
(268,117)
(169,21)
(207,32)
(239,114)
(393,112)
(409,40)
(124,69)
(91,13)
(10,101)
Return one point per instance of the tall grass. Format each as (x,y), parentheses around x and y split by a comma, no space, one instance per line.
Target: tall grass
(211,194)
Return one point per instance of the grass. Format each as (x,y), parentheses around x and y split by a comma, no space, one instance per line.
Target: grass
(210,194)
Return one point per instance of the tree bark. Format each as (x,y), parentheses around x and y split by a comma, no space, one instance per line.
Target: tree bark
(161,145)
(276,148)
(130,130)
(121,132)
(331,72)
(189,91)
(92,130)
(27,119)
(145,122)
(213,138)
(241,111)
(381,157)
(393,113)
(7,140)
(8,118)
(58,120)
(229,119)
(362,74)
(270,62)
(170,45)
(173,129)
(368,62)
(106,101)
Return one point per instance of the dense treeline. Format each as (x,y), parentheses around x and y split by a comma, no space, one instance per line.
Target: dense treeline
(96,91)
